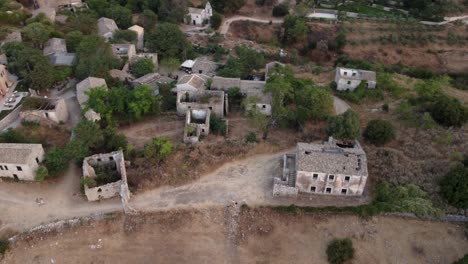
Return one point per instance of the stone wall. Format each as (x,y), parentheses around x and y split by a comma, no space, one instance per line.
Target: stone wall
(10,118)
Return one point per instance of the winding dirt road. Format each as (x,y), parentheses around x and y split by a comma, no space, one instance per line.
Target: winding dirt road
(227,23)
(248,181)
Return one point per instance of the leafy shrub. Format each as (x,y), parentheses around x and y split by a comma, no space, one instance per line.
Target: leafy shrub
(385,107)
(345,126)
(454,187)
(159,149)
(4,245)
(280,10)
(216,20)
(124,36)
(379,132)
(251,137)
(42,173)
(448,111)
(217,126)
(142,67)
(340,250)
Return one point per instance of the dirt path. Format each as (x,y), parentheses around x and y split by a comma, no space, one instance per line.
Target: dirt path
(227,23)
(260,236)
(246,181)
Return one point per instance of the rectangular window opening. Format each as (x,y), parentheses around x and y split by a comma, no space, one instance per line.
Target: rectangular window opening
(313,189)
(328,190)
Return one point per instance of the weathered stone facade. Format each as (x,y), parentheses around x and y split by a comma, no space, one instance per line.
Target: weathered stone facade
(350,79)
(20,161)
(215,101)
(52,111)
(330,168)
(116,161)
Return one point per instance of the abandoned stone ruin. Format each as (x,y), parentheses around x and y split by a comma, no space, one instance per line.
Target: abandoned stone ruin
(44,111)
(215,101)
(330,168)
(104,176)
(197,123)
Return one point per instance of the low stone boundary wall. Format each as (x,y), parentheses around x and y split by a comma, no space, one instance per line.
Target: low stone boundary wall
(10,118)
(447,218)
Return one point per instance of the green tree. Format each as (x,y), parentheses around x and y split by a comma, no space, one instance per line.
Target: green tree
(158,149)
(448,111)
(88,133)
(169,42)
(77,151)
(4,245)
(142,67)
(379,132)
(171,11)
(124,36)
(95,57)
(99,6)
(295,29)
(345,126)
(280,10)
(144,102)
(223,6)
(148,19)
(37,34)
(84,21)
(137,6)
(464,259)
(114,141)
(56,161)
(320,103)
(121,15)
(340,251)
(73,39)
(216,20)
(454,187)
(247,62)
(41,174)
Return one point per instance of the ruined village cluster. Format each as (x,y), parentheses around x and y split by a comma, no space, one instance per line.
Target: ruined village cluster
(204,88)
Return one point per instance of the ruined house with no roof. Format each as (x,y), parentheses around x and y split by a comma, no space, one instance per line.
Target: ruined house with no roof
(330,168)
(44,111)
(215,101)
(197,123)
(104,176)
(20,161)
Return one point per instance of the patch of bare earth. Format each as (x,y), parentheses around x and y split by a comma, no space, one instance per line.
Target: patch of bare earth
(226,235)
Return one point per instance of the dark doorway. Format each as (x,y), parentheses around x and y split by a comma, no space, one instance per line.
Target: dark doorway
(16,177)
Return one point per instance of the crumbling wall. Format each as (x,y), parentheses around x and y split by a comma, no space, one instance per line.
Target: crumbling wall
(109,190)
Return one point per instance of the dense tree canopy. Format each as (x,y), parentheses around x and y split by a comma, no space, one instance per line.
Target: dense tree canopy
(345,126)
(122,104)
(295,29)
(95,58)
(448,111)
(121,15)
(245,64)
(37,34)
(158,149)
(230,6)
(142,67)
(379,132)
(454,187)
(169,42)
(30,64)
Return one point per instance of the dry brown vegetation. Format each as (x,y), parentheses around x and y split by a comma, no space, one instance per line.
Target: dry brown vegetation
(442,49)
(234,235)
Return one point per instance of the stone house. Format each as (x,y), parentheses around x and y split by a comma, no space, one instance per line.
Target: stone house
(105,176)
(215,101)
(199,16)
(248,88)
(152,79)
(192,83)
(124,50)
(350,79)
(203,65)
(140,36)
(81,89)
(330,168)
(197,123)
(106,28)
(5,81)
(44,111)
(20,161)
(56,50)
